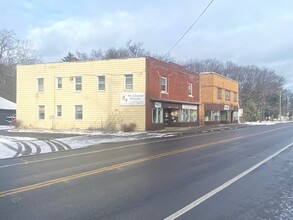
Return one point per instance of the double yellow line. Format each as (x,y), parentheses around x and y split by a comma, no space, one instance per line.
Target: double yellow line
(117,166)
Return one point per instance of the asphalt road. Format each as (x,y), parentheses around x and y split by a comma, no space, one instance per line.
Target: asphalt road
(236,174)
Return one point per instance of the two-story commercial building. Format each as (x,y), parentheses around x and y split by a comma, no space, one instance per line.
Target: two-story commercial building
(80,95)
(219,99)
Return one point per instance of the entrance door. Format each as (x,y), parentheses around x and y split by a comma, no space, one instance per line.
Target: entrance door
(167,116)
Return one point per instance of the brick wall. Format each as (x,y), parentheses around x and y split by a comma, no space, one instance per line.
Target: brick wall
(177,82)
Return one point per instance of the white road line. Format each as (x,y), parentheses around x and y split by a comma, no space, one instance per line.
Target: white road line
(223,186)
(34,150)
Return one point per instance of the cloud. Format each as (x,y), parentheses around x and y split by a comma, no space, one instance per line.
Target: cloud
(80,34)
(246,32)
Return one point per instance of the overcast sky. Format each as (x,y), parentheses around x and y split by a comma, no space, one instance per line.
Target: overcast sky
(247,32)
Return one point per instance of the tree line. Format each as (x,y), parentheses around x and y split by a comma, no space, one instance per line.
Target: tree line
(260,89)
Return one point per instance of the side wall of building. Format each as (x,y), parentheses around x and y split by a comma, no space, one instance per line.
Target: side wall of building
(99,107)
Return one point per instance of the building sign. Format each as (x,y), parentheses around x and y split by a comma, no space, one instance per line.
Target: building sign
(226,107)
(158,105)
(190,107)
(132,98)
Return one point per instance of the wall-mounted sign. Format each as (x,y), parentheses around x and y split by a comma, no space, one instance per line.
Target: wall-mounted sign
(158,105)
(226,107)
(191,107)
(132,98)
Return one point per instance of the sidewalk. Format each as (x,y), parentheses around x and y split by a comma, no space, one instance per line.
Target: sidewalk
(204,128)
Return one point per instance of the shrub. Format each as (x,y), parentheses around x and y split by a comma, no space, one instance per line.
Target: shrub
(128,127)
(17,124)
(110,125)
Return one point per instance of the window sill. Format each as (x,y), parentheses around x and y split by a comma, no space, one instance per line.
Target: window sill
(163,92)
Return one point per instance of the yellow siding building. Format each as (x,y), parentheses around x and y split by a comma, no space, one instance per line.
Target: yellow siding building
(219,98)
(82,95)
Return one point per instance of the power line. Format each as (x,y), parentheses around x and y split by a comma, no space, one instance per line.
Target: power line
(188,29)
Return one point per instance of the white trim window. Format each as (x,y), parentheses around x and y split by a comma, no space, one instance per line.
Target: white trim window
(101,83)
(59,111)
(164,84)
(78,83)
(128,81)
(41,112)
(78,112)
(40,84)
(58,82)
(190,89)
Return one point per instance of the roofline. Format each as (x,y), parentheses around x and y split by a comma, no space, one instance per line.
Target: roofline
(217,74)
(81,61)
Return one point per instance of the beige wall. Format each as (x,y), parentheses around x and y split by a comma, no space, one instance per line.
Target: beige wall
(210,82)
(98,106)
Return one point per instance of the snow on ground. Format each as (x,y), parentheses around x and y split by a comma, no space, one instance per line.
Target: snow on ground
(19,146)
(266,122)
(6,127)
(80,141)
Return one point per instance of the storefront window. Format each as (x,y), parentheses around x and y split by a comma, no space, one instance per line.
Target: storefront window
(235,116)
(188,115)
(212,115)
(174,116)
(157,115)
(223,116)
(215,115)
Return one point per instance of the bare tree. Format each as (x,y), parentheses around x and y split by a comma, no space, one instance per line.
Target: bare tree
(12,52)
(257,86)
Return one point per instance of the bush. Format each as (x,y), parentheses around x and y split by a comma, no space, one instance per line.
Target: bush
(128,127)
(110,125)
(17,124)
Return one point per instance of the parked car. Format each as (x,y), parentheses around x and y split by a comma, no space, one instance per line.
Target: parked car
(11,119)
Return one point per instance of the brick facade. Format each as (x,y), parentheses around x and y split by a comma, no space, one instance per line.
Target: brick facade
(178,79)
(222,108)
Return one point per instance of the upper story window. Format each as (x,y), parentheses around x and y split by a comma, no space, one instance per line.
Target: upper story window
(189,89)
(78,112)
(219,93)
(128,81)
(101,83)
(235,96)
(58,82)
(164,85)
(78,83)
(40,84)
(227,95)
(59,110)
(41,111)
